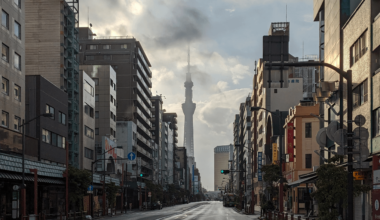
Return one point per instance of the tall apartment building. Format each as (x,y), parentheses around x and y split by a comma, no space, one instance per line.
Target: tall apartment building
(236,155)
(167,153)
(183,170)
(171,120)
(54,55)
(349,39)
(156,119)
(104,91)
(12,72)
(87,121)
(132,67)
(221,157)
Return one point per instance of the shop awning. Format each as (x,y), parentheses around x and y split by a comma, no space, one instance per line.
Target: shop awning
(304,180)
(18,176)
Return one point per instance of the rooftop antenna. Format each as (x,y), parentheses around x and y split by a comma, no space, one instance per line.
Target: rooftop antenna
(303,50)
(286,13)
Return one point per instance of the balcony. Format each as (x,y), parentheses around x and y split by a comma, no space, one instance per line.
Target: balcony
(146,99)
(146,77)
(175,140)
(143,107)
(143,118)
(144,141)
(142,152)
(143,84)
(145,131)
(143,59)
(175,133)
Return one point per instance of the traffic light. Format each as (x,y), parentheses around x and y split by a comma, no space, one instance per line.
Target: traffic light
(224,171)
(143,175)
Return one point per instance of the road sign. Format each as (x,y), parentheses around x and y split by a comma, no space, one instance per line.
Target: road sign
(90,188)
(149,194)
(358,175)
(131,156)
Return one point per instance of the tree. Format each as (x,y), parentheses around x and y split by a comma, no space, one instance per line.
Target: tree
(271,176)
(79,180)
(332,188)
(111,191)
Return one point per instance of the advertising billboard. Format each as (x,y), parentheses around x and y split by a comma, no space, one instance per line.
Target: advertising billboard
(290,143)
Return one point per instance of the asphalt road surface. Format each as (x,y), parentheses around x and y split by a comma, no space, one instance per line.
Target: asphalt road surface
(198,210)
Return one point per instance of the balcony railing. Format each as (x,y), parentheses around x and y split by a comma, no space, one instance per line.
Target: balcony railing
(147,99)
(145,86)
(145,119)
(143,106)
(143,59)
(143,140)
(147,78)
(141,126)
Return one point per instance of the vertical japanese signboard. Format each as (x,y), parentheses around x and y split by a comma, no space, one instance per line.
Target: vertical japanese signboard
(376,187)
(274,153)
(291,142)
(260,157)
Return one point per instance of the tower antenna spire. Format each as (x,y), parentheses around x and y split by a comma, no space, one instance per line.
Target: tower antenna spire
(188,58)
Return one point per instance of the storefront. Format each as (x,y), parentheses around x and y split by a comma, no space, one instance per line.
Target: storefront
(50,187)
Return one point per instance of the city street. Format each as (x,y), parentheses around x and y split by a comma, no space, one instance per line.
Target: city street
(200,210)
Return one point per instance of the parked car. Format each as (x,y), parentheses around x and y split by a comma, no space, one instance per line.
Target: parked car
(156,205)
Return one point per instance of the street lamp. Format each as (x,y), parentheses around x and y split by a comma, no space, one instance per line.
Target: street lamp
(48,115)
(348,76)
(278,115)
(104,178)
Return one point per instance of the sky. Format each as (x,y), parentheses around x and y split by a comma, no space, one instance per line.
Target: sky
(225,39)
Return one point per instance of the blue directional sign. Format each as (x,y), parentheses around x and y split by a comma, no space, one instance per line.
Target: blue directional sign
(90,188)
(131,156)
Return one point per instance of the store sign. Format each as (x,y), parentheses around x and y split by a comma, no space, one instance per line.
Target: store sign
(260,158)
(358,175)
(291,142)
(274,153)
(375,193)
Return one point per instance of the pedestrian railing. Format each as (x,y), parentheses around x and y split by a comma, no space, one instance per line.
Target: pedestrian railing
(274,215)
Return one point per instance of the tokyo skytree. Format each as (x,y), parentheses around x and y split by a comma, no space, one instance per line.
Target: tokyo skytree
(188,109)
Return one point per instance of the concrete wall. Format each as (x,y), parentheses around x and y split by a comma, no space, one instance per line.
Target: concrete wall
(86,120)
(220,163)
(8,103)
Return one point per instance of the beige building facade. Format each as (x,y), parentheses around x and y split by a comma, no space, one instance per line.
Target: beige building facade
(221,157)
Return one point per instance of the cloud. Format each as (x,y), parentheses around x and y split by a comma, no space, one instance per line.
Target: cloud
(223,51)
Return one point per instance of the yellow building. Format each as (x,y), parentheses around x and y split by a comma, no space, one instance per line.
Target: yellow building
(301,129)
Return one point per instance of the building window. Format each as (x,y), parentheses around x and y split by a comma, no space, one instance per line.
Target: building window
(97,114)
(17,30)
(17,122)
(5,19)
(111,99)
(88,88)
(107,57)
(359,48)
(50,109)
(89,57)
(360,94)
(5,86)
(61,142)
(124,46)
(96,80)
(308,131)
(46,136)
(307,160)
(275,90)
(89,132)
(17,61)
(88,153)
(17,93)
(93,47)
(112,115)
(62,118)
(111,83)
(89,110)
(5,53)
(96,131)
(96,98)
(106,47)
(376,124)
(18,3)
(4,119)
